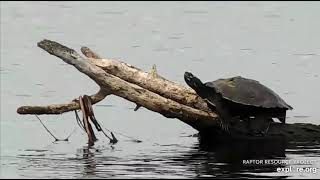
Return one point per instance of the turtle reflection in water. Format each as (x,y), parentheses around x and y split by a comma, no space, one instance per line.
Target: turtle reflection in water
(239,98)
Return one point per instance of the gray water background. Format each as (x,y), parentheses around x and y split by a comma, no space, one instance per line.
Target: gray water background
(277,43)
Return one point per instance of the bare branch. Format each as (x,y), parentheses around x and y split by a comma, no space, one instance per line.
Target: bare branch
(60,108)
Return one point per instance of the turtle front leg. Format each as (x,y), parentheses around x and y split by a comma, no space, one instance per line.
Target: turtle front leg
(282,117)
(223,113)
(260,124)
(270,120)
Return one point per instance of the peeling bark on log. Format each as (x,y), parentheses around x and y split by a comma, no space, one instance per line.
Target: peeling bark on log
(150,91)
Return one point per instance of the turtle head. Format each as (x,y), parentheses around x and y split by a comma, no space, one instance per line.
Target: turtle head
(195,83)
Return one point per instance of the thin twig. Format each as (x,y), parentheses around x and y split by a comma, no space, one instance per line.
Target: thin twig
(56,139)
(88,105)
(106,135)
(67,139)
(88,128)
(132,138)
(79,121)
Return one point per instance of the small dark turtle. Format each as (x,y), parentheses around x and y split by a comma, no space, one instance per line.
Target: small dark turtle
(241,97)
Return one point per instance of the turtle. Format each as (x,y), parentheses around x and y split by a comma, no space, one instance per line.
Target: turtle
(239,98)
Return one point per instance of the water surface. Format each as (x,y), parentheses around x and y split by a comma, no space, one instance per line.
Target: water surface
(276,43)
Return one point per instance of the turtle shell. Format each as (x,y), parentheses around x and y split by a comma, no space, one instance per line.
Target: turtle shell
(248,92)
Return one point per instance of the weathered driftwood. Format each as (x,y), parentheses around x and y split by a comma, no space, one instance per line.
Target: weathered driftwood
(196,118)
(148,90)
(151,81)
(61,108)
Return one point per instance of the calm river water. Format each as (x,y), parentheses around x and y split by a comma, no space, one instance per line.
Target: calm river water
(277,43)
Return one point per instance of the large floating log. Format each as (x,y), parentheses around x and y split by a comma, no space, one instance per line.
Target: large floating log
(151,91)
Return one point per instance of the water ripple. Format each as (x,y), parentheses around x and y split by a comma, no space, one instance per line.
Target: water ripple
(175,160)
